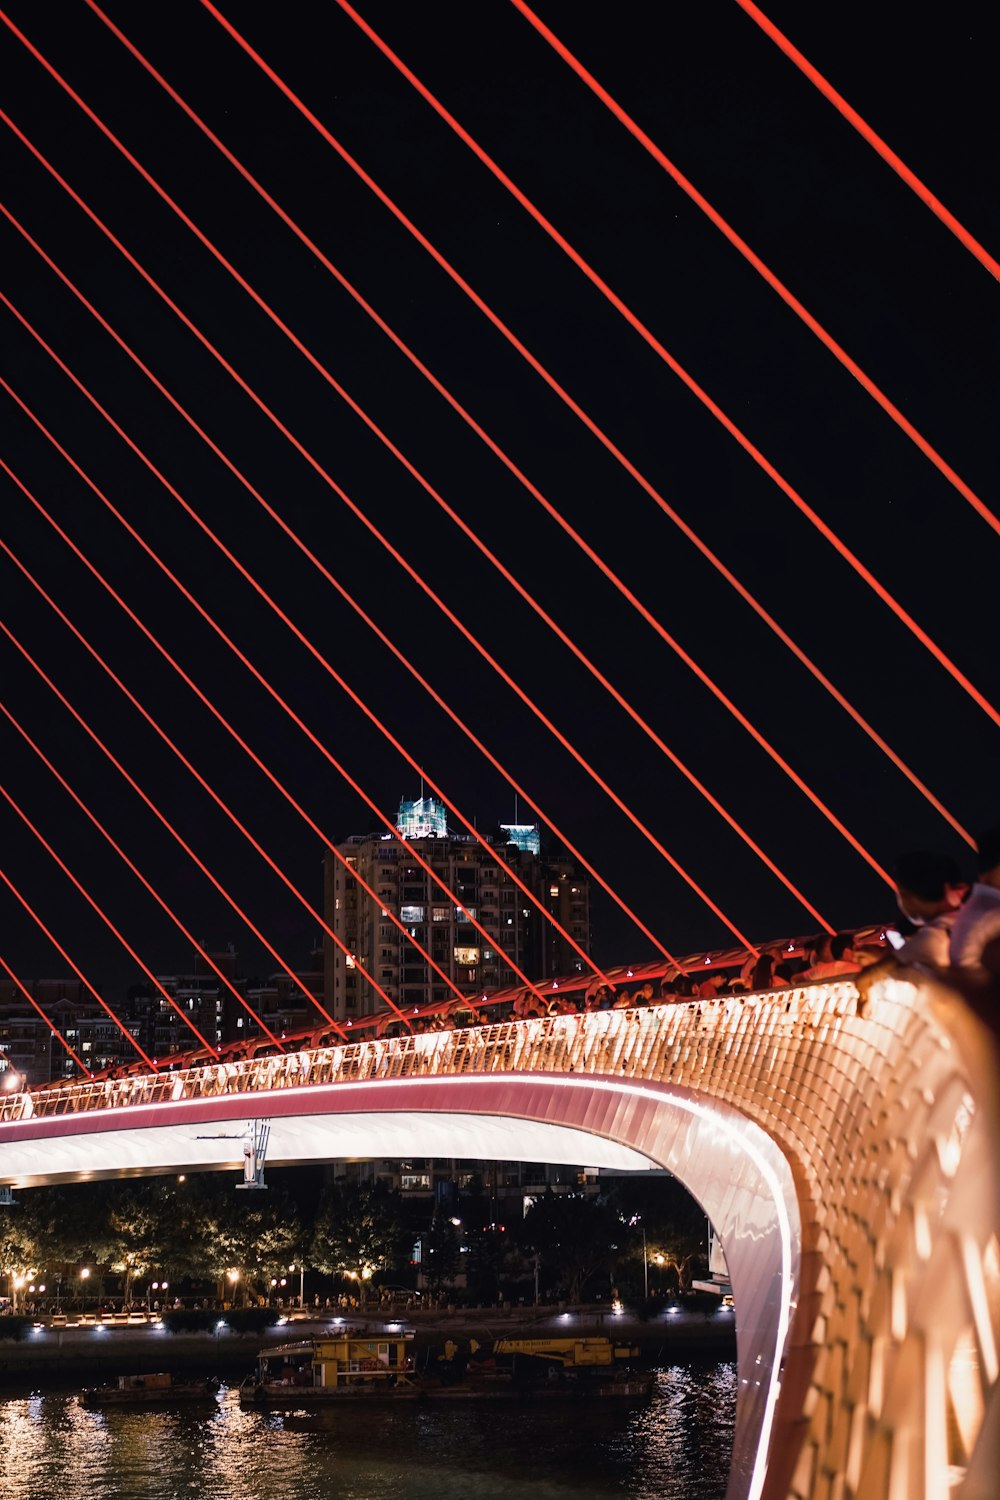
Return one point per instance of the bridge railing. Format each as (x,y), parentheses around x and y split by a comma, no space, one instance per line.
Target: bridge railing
(659,1040)
(890,1121)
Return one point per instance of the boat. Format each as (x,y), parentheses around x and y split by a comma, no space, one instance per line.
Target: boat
(362,1365)
(534,1368)
(347,1366)
(148,1390)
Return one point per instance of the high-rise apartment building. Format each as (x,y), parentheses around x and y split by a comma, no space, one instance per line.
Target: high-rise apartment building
(481,880)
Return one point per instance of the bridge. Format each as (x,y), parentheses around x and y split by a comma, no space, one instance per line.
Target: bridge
(848,1163)
(848,1156)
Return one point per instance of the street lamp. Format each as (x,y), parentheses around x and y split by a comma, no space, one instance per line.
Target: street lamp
(302,1283)
(84,1275)
(637,1219)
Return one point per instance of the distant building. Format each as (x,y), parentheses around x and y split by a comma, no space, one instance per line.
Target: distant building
(481,879)
(31,1045)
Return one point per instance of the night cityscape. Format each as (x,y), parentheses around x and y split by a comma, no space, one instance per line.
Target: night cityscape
(499,842)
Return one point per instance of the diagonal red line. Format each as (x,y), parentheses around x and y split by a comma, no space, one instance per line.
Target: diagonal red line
(65,956)
(463,526)
(230,729)
(349,599)
(398,556)
(205,700)
(506,677)
(874,140)
(494,447)
(13,803)
(202,953)
(272,865)
(47,1019)
(160,816)
(658,348)
(773,281)
(689,661)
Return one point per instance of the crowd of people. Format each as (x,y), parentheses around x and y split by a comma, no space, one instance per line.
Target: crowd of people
(950,928)
(954,923)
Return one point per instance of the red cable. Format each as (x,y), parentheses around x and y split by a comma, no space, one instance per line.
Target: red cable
(105,918)
(327,478)
(63,954)
(500,453)
(864,129)
(160,731)
(47,1019)
(812,323)
(202,697)
(783,484)
(523,795)
(425,587)
(202,953)
(138,789)
(362,614)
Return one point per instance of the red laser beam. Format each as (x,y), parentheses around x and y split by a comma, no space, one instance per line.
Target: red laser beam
(54,1030)
(773,281)
(66,958)
(783,484)
(185,932)
(13,803)
(509,463)
(874,140)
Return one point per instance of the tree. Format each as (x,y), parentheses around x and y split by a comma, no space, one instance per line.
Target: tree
(575,1237)
(135,1233)
(359,1229)
(256,1235)
(21,1244)
(442,1252)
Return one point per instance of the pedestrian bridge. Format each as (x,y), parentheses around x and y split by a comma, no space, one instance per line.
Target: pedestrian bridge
(850,1164)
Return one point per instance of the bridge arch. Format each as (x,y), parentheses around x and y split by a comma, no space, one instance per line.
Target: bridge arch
(849,1163)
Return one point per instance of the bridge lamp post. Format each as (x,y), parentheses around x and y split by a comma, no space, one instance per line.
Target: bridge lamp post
(302,1283)
(84,1276)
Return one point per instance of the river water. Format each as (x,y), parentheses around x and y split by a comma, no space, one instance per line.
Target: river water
(677,1446)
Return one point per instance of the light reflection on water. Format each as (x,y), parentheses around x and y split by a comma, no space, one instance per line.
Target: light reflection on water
(677,1445)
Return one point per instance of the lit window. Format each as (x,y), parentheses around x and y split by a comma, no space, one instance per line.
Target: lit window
(349,960)
(440,913)
(466,956)
(408,914)
(553,890)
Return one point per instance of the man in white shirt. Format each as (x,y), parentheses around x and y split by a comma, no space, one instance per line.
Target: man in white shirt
(975,936)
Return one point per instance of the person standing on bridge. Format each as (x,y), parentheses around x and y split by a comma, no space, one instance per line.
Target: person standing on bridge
(929,892)
(975,934)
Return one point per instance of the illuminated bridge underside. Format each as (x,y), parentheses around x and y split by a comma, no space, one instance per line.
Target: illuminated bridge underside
(850,1165)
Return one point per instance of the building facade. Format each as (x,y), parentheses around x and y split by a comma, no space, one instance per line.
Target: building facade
(483,885)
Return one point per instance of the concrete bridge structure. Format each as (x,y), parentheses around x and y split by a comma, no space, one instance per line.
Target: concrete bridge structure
(850,1165)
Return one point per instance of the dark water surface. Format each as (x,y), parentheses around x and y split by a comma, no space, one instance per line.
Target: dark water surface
(675,1447)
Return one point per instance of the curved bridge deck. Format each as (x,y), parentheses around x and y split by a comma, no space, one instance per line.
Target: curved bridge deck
(851,1165)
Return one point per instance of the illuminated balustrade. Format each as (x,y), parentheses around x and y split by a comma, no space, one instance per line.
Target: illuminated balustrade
(890,1126)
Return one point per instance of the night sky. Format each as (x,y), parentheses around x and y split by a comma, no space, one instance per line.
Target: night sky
(863,253)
